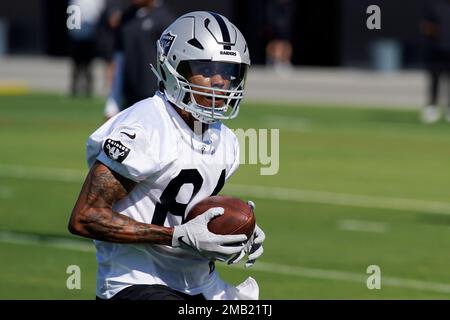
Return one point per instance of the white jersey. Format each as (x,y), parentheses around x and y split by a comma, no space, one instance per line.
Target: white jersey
(149,143)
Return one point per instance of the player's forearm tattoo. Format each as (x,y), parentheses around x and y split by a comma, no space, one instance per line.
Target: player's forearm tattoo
(102,189)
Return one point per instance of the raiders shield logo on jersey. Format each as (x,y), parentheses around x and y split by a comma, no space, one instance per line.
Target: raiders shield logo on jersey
(115,150)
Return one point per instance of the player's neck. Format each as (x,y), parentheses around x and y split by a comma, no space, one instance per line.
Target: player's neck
(189,119)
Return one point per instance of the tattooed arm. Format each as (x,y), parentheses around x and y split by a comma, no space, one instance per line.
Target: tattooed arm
(93,217)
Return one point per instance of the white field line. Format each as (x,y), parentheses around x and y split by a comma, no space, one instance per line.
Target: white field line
(273,193)
(41,173)
(297,124)
(54,242)
(362,226)
(344,199)
(313,273)
(350,276)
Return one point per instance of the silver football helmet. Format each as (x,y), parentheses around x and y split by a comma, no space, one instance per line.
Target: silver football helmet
(203,44)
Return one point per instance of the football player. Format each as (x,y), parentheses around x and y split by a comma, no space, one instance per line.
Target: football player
(154,161)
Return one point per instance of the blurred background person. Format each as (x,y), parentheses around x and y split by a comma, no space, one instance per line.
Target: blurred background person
(436,29)
(140,26)
(82,44)
(109,22)
(279,24)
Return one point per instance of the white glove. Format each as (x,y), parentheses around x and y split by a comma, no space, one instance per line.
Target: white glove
(195,235)
(254,247)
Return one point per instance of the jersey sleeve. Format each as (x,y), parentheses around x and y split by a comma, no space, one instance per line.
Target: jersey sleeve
(129,151)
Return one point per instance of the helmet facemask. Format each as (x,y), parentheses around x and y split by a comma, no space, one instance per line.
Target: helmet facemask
(211,90)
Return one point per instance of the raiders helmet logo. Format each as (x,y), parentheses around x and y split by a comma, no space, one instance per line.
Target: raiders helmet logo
(115,150)
(166,42)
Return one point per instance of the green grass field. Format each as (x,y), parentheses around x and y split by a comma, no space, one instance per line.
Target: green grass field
(356,187)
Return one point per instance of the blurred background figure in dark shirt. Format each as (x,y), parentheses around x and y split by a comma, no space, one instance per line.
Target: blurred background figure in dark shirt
(83,46)
(109,22)
(140,26)
(436,29)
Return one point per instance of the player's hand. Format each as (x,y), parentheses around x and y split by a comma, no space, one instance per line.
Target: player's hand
(255,250)
(194,234)
(254,247)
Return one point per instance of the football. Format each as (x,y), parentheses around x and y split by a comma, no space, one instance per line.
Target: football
(238,217)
